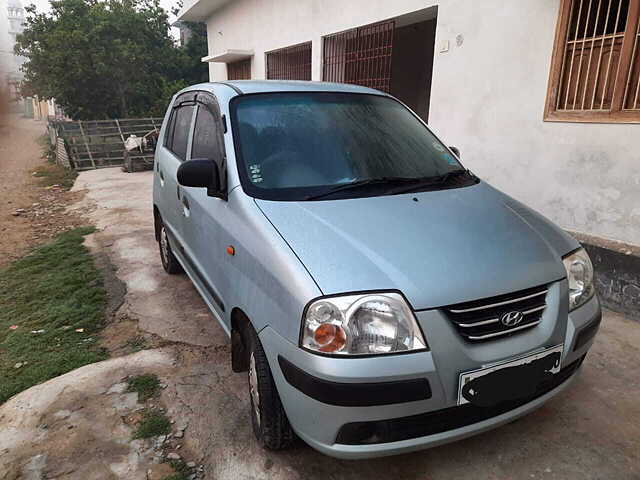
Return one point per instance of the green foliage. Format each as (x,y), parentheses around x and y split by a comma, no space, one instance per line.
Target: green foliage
(153,423)
(107,58)
(167,90)
(136,343)
(48,150)
(53,174)
(194,70)
(146,386)
(51,309)
(181,469)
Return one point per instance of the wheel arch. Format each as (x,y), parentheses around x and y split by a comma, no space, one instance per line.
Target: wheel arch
(157,220)
(240,323)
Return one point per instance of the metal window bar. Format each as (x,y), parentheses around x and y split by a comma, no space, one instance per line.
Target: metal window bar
(606,78)
(586,26)
(597,77)
(568,88)
(635,67)
(240,70)
(593,42)
(360,56)
(290,63)
(579,82)
(564,61)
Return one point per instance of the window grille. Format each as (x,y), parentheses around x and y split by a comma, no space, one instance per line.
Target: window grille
(290,63)
(595,71)
(361,56)
(240,70)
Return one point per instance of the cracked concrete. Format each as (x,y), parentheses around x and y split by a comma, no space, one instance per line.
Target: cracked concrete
(120,206)
(71,426)
(591,431)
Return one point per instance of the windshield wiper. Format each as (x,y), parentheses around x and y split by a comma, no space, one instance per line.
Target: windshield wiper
(409,184)
(360,184)
(430,181)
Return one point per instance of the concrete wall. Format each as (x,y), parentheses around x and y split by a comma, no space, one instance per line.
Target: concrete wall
(488,98)
(488,94)
(265,25)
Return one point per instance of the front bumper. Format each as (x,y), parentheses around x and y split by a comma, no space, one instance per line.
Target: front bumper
(331,426)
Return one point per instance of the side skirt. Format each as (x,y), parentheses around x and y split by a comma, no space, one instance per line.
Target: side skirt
(211,299)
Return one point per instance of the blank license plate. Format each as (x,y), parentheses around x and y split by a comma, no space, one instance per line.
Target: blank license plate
(524,380)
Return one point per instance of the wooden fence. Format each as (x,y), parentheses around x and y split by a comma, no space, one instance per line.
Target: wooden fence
(100,143)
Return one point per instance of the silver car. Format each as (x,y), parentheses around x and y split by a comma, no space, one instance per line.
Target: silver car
(381,297)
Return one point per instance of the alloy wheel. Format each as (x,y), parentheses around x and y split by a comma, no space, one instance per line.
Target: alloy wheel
(253,387)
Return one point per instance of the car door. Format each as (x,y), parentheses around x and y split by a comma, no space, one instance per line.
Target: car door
(204,217)
(169,157)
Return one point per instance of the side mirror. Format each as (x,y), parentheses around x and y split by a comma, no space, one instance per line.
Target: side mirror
(201,173)
(455,150)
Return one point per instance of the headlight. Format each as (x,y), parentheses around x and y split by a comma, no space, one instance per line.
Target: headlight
(580,277)
(361,325)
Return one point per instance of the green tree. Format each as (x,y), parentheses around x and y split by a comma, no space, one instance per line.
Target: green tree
(194,70)
(102,58)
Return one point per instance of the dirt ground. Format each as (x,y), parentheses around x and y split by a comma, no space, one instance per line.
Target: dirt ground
(29,213)
(19,155)
(75,426)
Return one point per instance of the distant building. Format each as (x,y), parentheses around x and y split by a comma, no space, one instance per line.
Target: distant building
(13,17)
(185,32)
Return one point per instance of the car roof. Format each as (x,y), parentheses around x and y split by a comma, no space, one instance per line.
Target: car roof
(269,86)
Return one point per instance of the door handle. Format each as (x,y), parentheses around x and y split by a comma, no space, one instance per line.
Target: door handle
(185,206)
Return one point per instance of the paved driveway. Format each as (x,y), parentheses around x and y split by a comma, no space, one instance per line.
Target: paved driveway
(591,431)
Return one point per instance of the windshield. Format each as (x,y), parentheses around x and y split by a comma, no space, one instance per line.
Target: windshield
(301,145)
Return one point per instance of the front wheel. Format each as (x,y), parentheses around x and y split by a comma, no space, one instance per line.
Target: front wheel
(270,424)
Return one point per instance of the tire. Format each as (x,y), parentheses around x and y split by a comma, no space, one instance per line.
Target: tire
(169,261)
(270,424)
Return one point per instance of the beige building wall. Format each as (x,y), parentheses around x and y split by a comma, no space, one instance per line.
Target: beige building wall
(488,98)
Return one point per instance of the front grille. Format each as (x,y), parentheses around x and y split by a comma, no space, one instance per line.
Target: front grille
(480,320)
(430,423)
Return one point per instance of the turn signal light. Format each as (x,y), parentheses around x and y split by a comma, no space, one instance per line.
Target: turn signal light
(330,337)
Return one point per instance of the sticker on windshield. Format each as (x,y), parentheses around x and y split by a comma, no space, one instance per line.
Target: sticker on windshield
(450,159)
(445,155)
(255,173)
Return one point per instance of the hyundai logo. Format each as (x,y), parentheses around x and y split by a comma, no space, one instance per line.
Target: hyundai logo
(511,319)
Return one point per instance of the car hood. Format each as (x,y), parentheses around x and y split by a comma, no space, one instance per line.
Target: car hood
(438,247)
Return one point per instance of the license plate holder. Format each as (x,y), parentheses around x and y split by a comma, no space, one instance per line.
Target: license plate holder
(509,380)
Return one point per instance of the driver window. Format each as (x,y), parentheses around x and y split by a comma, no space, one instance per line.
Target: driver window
(208,134)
